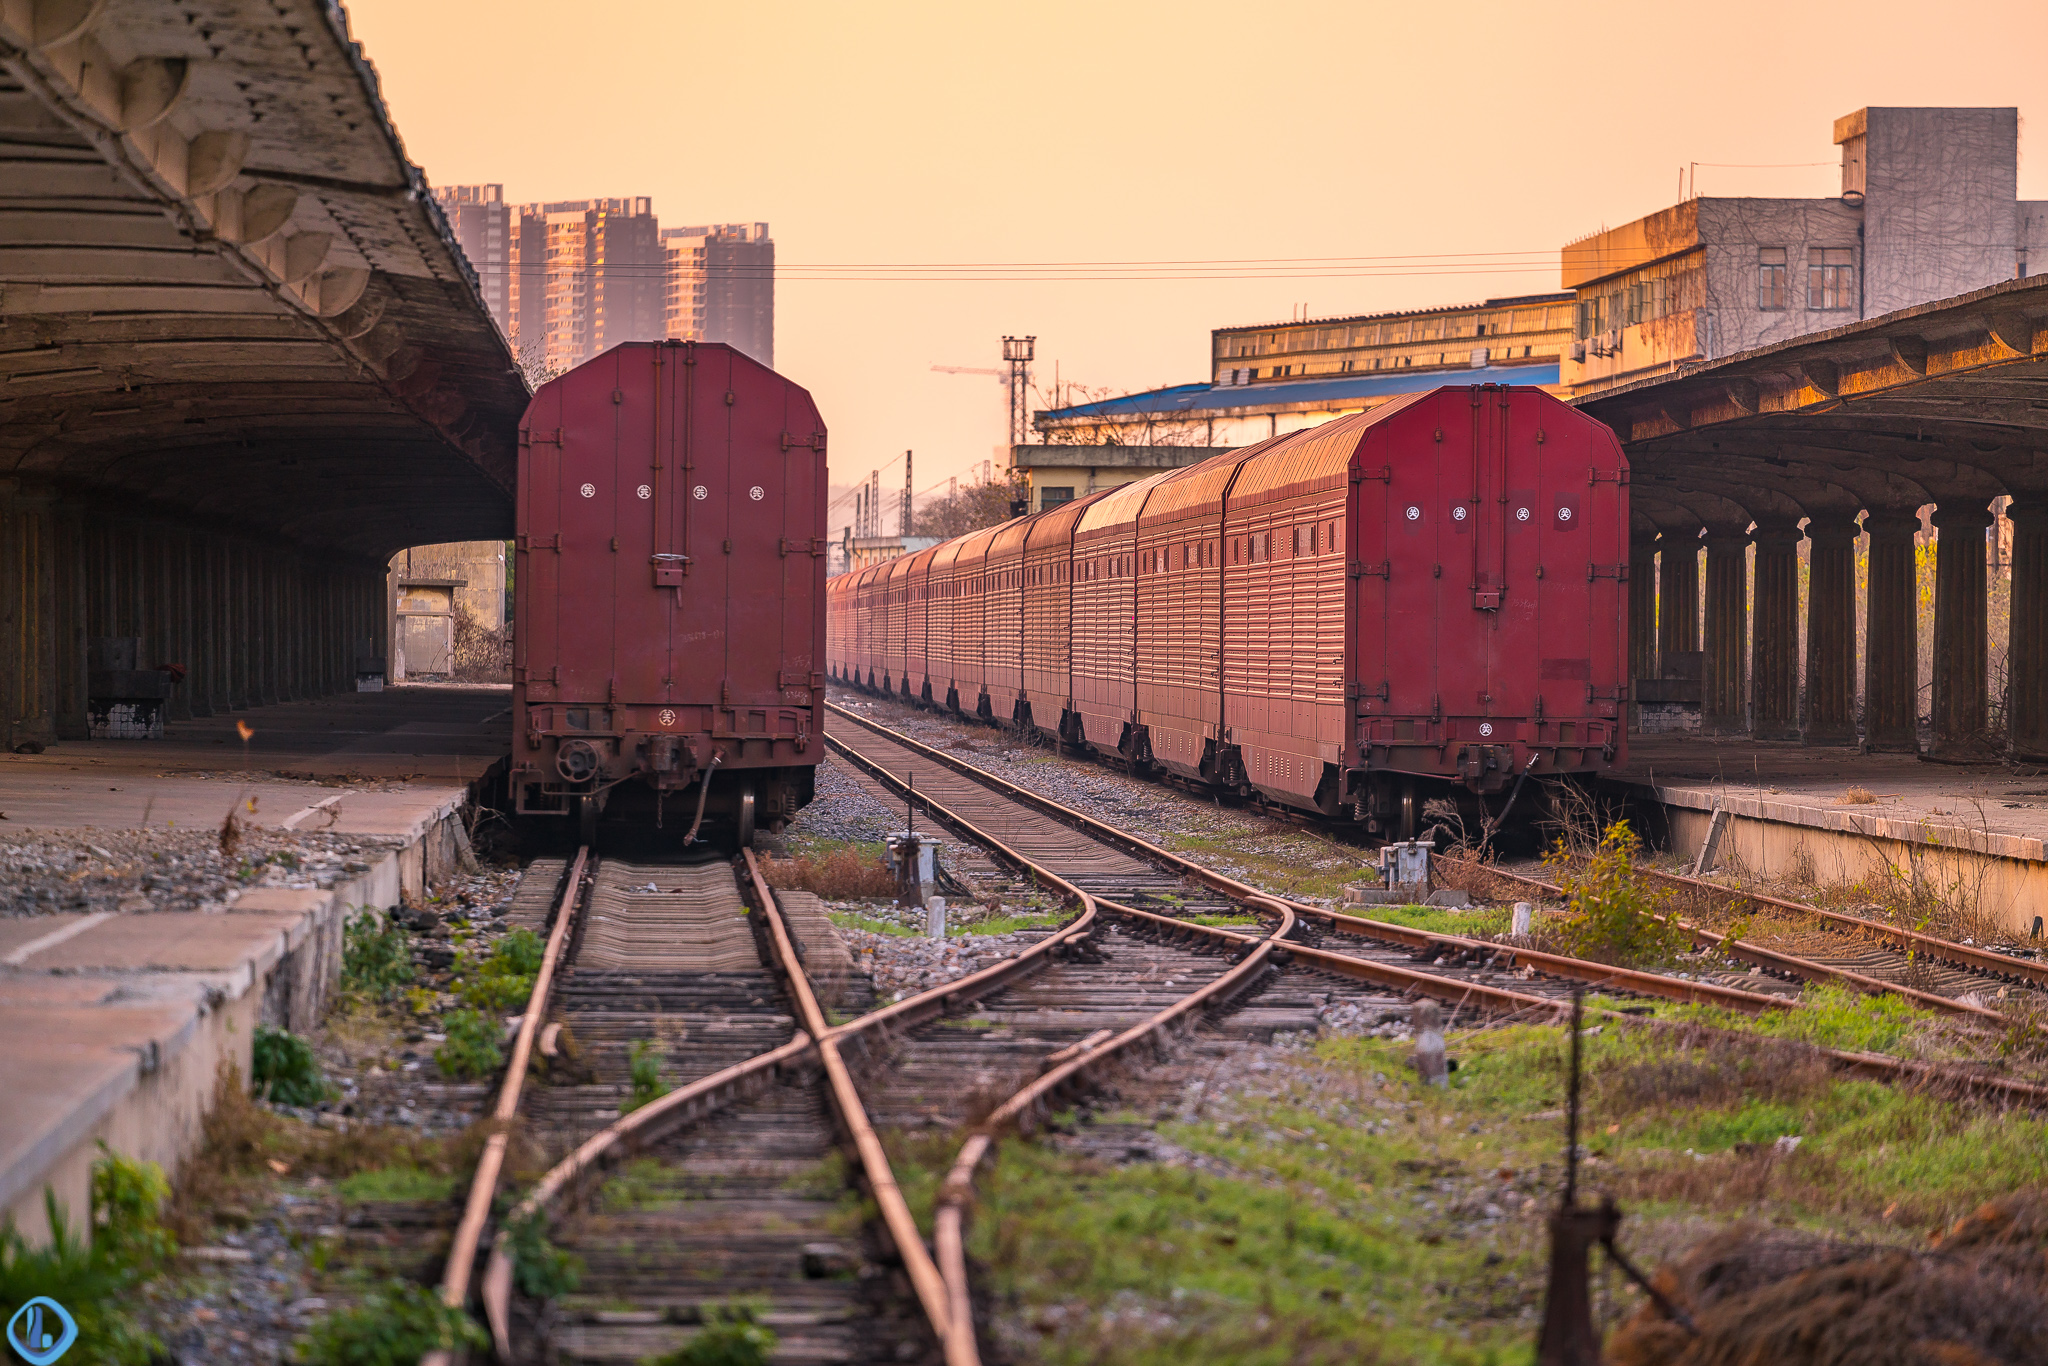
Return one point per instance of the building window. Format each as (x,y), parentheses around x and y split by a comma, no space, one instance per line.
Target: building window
(1647,300)
(1053,495)
(1830,278)
(1770,279)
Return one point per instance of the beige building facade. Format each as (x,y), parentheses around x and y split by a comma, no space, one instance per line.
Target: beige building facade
(1527,330)
(1928,209)
(430,588)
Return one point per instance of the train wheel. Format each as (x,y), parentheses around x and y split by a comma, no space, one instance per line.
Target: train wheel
(586,820)
(746,832)
(1409,810)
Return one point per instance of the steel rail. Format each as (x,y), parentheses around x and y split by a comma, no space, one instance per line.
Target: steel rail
(888,1196)
(483,1187)
(649,1123)
(1558,965)
(1762,957)
(1958,955)
(956,1192)
(1460,994)
(701,1097)
(1947,950)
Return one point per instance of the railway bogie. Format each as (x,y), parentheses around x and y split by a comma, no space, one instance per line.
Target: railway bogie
(1425,600)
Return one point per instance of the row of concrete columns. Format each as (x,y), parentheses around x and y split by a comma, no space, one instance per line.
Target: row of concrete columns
(250,623)
(1751,679)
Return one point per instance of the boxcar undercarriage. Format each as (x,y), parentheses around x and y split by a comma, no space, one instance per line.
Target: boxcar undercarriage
(1492,797)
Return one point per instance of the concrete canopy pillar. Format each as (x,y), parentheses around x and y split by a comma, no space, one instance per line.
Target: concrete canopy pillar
(1678,595)
(1891,658)
(68,620)
(1642,613)
(1774,645)
(1961,643)
(2027,656)
(1724,695)
(1831,633)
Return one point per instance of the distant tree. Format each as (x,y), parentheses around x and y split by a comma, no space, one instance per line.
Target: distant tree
(969,508)
(1118,429)
(533,363)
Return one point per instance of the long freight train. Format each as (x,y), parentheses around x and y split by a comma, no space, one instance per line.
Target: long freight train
(1422,600)
(669,595)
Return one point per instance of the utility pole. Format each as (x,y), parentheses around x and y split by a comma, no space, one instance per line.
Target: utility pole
(1019,352)
(906,493)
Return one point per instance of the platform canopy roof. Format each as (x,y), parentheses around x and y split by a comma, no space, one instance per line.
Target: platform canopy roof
(1944,403)
(226,296)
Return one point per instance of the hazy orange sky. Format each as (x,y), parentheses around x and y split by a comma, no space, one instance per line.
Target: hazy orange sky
(1063,132)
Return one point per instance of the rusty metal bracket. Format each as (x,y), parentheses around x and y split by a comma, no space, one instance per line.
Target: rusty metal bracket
(1617,572)
(1384,474)
(1383,570)
(1596,476)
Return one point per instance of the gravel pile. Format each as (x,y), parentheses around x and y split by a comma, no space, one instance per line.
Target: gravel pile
(844,809)
(244,1297)
(903,966)
(163,869)
(1350,1020)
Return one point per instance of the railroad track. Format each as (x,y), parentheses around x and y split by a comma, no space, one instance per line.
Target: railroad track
(1294,973)
(732,1199)
(1933,973)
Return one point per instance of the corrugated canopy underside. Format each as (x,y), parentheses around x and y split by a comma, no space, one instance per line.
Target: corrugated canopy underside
(1943,403)
(223,290)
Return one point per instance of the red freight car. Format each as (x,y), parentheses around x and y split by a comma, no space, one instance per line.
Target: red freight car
(670,593)
(1428,591)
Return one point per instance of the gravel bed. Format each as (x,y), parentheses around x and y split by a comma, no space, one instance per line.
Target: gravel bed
(901,966)
(1162,814)
(165,869)
(247,1295)
(844,809)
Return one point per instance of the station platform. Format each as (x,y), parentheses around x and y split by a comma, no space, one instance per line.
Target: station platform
(1826,814)
(132,1008)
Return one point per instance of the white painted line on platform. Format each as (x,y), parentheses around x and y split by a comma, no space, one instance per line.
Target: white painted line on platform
(54,938)
(292,822)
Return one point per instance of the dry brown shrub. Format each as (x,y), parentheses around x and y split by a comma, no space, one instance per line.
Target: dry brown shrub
(1460,869)
(1791,1298)
(480,655)
(1856,796)
(240,1140)
(840,875)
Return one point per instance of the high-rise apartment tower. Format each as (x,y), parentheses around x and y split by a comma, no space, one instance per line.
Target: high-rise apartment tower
(721,286)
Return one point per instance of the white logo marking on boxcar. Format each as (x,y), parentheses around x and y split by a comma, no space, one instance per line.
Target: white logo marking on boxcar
(1486,727)
(1564,514)
(1521,514)
(757,493)
(644,492)
(667,716)
(700,493)
(1414,514)
(588,490)
(1457,514)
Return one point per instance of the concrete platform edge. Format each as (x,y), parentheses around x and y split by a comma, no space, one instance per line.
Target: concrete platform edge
(2004,876)
(158,1082)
